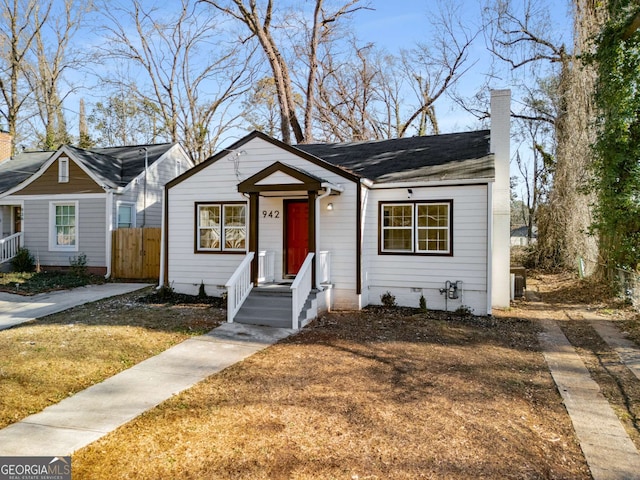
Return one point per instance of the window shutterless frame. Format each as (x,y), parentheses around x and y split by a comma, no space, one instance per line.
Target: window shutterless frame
(420,227)
(220,227)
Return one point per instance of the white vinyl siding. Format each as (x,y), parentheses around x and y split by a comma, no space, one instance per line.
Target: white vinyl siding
(149,211)
(218,184)
(408,276)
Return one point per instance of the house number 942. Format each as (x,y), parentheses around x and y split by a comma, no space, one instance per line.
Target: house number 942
(271,214)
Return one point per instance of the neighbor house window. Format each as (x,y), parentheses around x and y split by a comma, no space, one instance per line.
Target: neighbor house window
(63,230)
(126,215)
(416,227)
(221,227)
(63,170)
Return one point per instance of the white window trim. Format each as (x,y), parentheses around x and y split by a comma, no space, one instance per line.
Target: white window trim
(53,246)
(415,228)
(132,205)
(63,170)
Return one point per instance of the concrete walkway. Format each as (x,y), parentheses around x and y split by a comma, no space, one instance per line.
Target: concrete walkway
(92,413)
(608,450)
(17,309)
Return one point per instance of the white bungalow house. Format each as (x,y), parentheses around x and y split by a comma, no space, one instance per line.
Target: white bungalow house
(337,226)
(64,203)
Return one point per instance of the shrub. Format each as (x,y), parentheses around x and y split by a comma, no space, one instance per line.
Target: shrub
(79,266)
(165,293)
(202,293)
(464,310)
(388,300)
(423,303)
(23,261)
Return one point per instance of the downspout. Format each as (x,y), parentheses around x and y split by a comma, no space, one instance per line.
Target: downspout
(109,229)
(144,187)
(318,198)
(161,277)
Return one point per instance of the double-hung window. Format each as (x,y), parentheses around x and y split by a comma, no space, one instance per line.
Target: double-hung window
(221,227)
(416,227)
(63,228)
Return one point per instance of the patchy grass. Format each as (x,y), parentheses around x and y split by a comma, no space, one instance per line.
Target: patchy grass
(32,283)
(44,361)
(377,394)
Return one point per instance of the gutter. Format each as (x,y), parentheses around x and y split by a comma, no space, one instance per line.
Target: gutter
(434,183)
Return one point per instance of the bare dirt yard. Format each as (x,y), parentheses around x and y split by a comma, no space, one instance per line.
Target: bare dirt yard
(378,394)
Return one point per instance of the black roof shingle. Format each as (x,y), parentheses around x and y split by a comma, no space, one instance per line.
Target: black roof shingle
(454,156)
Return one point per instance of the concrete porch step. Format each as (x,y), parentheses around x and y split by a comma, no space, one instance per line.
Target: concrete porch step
(271,308)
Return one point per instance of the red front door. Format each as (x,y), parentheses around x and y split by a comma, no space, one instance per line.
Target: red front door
(296,235)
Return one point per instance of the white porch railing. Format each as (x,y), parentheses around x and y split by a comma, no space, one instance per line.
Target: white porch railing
(239,286)
(324,267)
(266,266)
(9,246)
(300,289)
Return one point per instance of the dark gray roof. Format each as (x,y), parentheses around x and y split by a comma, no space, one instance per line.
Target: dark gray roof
(454,156)
(114,166)
(18,168)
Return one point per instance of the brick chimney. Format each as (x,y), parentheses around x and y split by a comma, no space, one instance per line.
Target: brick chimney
(5,145)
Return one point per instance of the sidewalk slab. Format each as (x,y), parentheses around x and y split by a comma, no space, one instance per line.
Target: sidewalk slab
(17,309)
(628,351)
(92,413)
(608,450)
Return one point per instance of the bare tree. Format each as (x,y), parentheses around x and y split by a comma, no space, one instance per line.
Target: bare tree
(52,56)
(259,21)
(433,68)
(348,96)
(20,21)
(192,74)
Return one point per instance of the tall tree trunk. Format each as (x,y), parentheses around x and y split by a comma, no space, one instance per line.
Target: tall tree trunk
(564,224)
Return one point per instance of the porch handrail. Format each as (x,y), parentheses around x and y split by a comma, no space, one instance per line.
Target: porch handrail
(300,289)
(9,246)
(239,286)
(266,266)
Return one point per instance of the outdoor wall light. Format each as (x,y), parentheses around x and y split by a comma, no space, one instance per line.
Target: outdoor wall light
(330,206)
(409,193)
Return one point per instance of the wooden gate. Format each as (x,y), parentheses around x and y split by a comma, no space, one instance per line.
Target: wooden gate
(136,253)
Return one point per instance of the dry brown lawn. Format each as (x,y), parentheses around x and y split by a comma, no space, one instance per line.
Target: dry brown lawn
(46,360)
(381,394)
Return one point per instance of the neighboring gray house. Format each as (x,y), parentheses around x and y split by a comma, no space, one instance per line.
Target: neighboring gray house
(338,225)
(65,203)
(520,236)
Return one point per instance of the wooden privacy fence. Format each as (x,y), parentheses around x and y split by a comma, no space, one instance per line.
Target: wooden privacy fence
(136,253)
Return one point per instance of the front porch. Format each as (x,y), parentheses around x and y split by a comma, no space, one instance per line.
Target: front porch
(283,304)
(283,276)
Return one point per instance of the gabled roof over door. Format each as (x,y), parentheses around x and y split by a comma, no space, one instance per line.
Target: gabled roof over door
(280,177)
